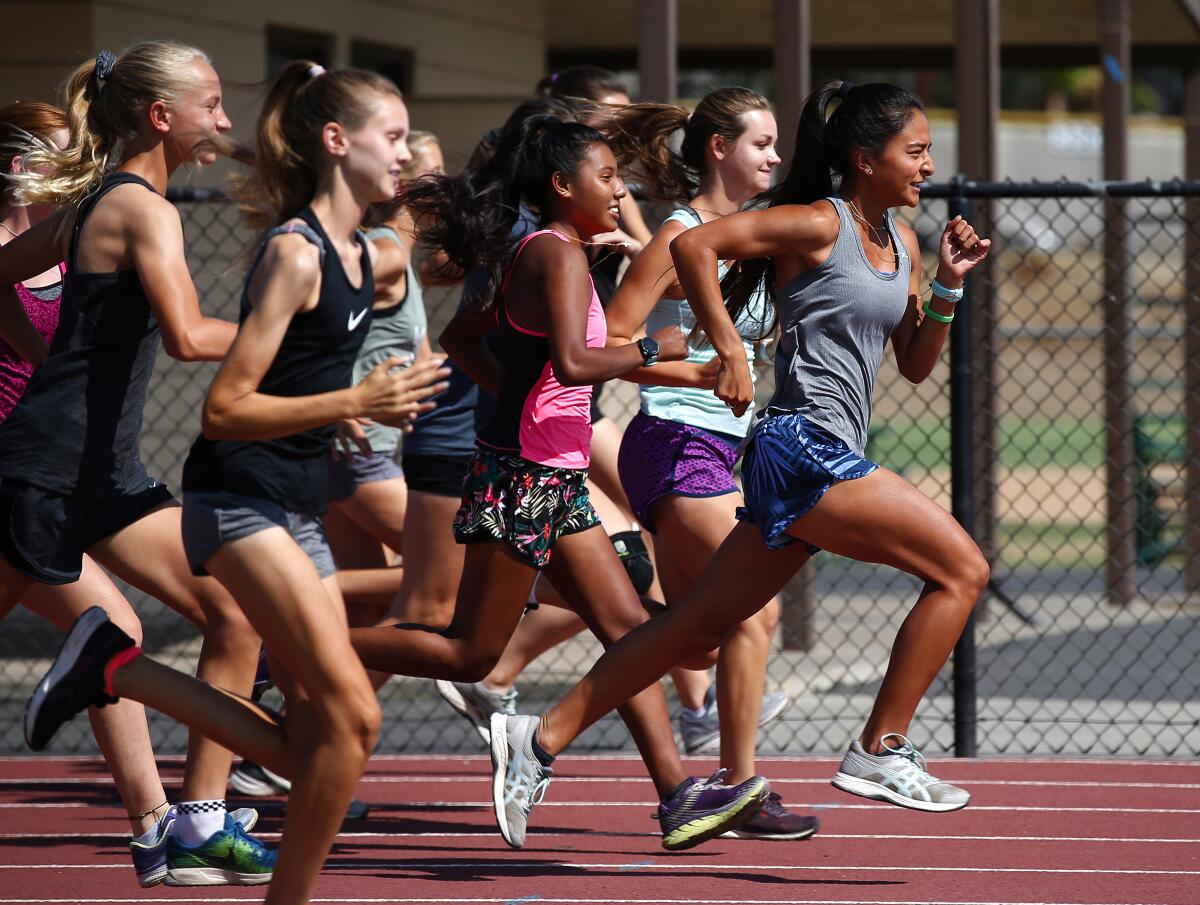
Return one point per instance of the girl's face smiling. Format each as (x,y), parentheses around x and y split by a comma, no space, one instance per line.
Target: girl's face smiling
(904,164)
(596,191)
(746,165)
(377,151)
(197,118)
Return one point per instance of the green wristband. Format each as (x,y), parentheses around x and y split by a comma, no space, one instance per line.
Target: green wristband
(940,318)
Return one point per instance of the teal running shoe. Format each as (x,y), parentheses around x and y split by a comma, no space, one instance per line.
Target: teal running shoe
(229,857)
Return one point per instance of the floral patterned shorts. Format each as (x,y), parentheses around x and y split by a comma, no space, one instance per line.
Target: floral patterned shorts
(523,504)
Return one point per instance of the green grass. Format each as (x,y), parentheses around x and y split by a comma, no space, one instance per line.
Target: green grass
(908,445)
(1058,545)
(903,444)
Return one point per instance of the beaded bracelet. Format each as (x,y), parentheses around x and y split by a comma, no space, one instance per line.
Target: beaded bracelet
(940,318)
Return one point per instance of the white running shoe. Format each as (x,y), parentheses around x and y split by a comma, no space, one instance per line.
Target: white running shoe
(477,703)
(703,733)
(898,776)
(519,780)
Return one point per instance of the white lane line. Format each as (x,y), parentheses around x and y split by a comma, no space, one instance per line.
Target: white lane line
(47,804)
(446,780)
(986,760)
(564,901)
(546,835)
(719,867)
(814,805)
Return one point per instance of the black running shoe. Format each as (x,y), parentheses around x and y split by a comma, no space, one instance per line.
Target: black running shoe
(775,821)
(76,678)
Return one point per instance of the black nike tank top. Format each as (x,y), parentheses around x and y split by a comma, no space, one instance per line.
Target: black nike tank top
(316,356)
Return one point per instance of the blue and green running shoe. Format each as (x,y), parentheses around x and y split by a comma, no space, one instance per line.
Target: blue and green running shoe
(701,809)
(229,857)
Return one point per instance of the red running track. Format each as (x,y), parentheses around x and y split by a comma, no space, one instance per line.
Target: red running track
(1052,832)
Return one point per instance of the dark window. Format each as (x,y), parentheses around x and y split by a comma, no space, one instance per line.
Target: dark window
(394,62)
(287,44)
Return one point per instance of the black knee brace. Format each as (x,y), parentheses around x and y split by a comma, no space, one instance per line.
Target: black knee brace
(634,556)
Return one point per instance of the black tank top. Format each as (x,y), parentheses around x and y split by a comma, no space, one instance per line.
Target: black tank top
(316,356)
(76,428)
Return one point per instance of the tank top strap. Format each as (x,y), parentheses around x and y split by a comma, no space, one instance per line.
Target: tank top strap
(384,232)
(843,211)
(512,262)
(686,215)
(299,229)
(111,181)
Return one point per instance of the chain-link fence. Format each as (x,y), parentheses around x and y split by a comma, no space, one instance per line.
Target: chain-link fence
(1069,442)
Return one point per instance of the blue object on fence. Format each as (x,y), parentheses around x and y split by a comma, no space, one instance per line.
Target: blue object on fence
(1114,68)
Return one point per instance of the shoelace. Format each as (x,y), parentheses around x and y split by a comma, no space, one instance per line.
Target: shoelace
(916,760)
(508,702)
(261,853)
(515,781)
(713,782)
(774,805)
(539,791)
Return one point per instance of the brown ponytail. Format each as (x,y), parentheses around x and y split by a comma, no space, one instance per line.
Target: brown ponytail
(287,152)
(641,134)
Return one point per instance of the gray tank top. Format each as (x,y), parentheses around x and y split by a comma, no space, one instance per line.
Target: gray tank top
(397,330)
(834,323)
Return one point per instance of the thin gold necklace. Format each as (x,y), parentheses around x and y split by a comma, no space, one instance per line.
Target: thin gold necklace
(706,210)
(883,243)
(7,230)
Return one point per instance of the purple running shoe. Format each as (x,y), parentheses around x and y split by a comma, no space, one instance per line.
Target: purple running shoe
(701,809)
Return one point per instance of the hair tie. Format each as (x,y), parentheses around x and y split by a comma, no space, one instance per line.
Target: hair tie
(845,88)
(554,77)
(315,70)
(105,61)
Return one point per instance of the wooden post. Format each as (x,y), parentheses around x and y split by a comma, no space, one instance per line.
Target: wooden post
(793,78)
(977,73)
(793,70)
(1119,417)
(1191,259)
(658,44)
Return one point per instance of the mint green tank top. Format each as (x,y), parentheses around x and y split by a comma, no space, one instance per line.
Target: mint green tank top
(693,405)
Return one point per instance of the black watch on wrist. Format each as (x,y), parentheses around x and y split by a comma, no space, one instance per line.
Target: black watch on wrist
(649,349)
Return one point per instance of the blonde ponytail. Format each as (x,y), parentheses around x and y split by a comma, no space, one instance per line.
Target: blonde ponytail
(104,111)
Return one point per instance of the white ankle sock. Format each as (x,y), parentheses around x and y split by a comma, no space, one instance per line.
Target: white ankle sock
(693,714)
(198,820)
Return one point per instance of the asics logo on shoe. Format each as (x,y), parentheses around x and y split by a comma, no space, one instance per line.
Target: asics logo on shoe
(355,319)
(516,790)
(904,788)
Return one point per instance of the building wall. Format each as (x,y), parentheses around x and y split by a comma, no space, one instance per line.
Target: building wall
(749,23)
(471,60)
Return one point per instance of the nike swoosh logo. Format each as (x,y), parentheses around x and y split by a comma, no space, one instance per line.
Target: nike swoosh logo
(355,320)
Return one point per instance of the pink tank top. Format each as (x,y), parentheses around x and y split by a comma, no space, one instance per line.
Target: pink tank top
(537,417)
(15,371)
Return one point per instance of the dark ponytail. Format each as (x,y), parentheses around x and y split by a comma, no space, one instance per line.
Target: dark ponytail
(863,116)
(469,216)
(583,81)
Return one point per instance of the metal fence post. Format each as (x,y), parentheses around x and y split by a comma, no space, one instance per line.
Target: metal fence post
(962,487)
